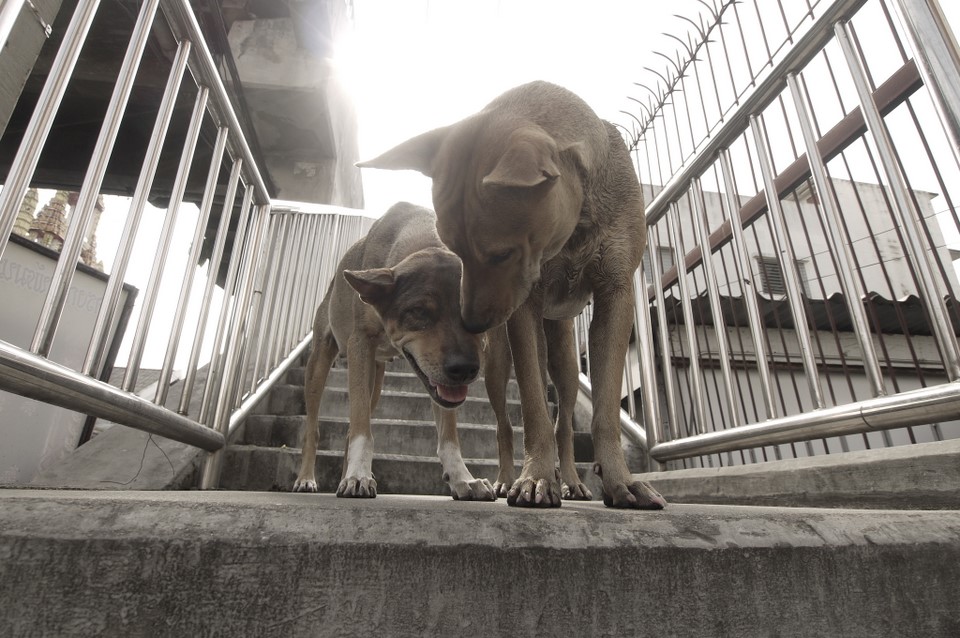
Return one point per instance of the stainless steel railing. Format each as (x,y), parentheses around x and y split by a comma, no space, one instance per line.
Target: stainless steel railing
(270,261)
(798,295)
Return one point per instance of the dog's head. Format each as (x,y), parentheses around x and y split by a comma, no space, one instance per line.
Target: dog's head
(419,305)
(502,206)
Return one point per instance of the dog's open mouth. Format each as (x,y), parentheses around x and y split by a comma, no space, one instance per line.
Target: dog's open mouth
(448,396)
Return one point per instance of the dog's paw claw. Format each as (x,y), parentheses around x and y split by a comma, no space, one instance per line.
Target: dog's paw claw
(575,492)
(475,490)
(534,493)
(636,495)
(305,485)
(356,487)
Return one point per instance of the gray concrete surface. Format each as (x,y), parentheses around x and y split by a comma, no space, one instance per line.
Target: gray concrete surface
(922,476)
(256,564)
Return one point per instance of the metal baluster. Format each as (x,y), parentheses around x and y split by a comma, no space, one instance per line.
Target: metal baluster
(906,215)
(750,298)
(838,241)
(79,221)
(213,269)
(666,361)
(166,238)
(787,261)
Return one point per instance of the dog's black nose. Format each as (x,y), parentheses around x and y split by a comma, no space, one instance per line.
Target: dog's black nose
(476,326)
(461,369)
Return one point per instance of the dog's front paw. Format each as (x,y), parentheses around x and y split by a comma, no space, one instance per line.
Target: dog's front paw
(305,485)
(575,491)
(530,492)
(358,487)
(629,494)
(475,490)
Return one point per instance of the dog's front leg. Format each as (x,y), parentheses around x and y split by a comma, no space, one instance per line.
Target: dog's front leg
(357,478)
(463,487)
(537,485)
(609,337)
(562,361)
(496,374)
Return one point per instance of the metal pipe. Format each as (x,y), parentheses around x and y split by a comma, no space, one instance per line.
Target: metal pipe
(838,241)
(905,213)
(184,25)
(653,426)
(166,238)
(267,288)
(190,271)
(273,354)
(666,362)
(32,376)
(804,49)
(938,57)
(914,407)
(693,348)
(79,221)
(787,260)
(221,422)
(9,12)
(138,203)
(35,136)
(749,295)
(213,269)
(214,377)
(713,294)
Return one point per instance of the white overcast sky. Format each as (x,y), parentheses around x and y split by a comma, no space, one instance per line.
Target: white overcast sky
(413,65)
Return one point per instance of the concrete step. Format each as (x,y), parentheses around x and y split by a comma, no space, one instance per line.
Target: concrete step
(268,564)
(288,400)
(249,467)
(921,476)
(403,381)
(417,438)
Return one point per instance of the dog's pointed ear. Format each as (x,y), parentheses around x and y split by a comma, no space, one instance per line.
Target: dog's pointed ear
(374,285)
(416,154)
(530,160)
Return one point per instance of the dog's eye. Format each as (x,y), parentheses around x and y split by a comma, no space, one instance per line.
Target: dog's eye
(500,257)
(418,316)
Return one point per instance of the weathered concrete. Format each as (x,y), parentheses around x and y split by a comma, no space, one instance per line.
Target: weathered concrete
(221,563)
(922,476)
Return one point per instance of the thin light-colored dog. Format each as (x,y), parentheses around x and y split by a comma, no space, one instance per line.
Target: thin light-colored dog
(539,199)
(396,293)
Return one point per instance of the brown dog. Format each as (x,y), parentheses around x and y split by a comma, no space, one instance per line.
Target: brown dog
(538,197)
(408,304)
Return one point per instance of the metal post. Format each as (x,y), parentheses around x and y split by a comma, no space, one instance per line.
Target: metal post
(666,363)
(214,376)
(79,221)
(787,261)
(938,58)
(9,11)
(839,243)
(906,215)
(166,238)
(268,293)
(693,349)
(141,193)
(213,268)
(713,293)
(221,423)
(190,271)
(35,136)
(749,295)
(648,384)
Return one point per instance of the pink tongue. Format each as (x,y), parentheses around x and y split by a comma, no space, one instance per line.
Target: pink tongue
(452,393)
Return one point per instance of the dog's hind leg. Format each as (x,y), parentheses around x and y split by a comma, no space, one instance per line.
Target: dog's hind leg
(496,373)
(315,379)
(562,361)
(463,487)
(357,478)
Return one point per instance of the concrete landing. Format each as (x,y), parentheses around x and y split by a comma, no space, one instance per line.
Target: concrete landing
(275,564)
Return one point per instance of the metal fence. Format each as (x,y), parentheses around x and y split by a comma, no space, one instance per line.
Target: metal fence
(272,261)
(798,296)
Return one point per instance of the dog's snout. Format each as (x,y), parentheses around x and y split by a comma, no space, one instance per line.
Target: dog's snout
(461,369)
(476,326)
